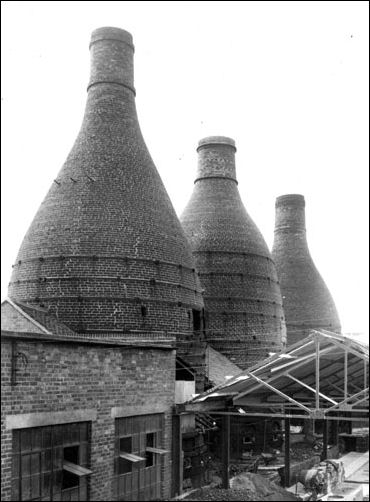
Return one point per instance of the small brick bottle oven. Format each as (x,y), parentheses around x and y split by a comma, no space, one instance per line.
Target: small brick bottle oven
(106,252)
(307,301)
(242,294)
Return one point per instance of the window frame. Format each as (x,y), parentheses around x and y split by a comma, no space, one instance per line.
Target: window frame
(128,485)
(43,447)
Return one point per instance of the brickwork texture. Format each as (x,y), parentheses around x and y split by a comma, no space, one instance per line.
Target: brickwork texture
(106,250)
(245,319)
(307,301)
(63,377)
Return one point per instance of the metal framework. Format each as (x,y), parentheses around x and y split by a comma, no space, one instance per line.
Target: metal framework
(324,376)
(317,376)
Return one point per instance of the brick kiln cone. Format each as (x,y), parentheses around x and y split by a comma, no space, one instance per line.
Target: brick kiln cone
(307,301)
(106,252)
(245,319)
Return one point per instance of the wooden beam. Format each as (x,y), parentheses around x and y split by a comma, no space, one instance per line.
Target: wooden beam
(366,398)
(205,405)
(159,451)
(309,378)
(335,387)
(131,457)
(301,344)
(356,387)
(276,391)
(290,415)
(294,362)
(78,470)
(287,452)
(365,375)
(306,358)
(344,345)
(352,378)
(317,372)
(278,375)
(310,388)
(324,453)
(330,370)
(330,335)
(354,396)
(296,347)
(345,374)
(225,451)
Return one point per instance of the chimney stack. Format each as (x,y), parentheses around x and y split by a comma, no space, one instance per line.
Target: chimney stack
(307,301)
(112,58)
(216,158)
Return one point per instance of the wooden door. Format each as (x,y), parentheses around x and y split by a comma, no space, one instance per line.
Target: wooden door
(139,480)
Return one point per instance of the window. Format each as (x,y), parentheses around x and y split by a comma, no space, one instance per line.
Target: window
(125,446)
(249,437)
(50,463)
(150,442)
(197,320)
(138,457)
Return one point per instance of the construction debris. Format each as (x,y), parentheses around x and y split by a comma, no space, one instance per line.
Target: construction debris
(245,486)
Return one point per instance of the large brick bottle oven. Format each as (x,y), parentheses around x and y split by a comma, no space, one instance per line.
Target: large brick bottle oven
(308,303)
(106,252)
(242,293)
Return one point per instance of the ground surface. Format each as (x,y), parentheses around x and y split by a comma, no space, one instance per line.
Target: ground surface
(248,495)
(245,486)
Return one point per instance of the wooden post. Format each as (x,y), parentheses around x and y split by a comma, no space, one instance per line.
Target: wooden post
(324,454)
(345,374)
(287,452)
(177,456)
(264,435)
(334,431)
(350,423)
(317,372)
(225,450)
(365,376)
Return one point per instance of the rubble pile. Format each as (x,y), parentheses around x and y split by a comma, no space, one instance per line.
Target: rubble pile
(246,486)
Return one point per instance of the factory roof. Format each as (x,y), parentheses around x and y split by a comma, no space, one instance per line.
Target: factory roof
(23,321)
(319,377)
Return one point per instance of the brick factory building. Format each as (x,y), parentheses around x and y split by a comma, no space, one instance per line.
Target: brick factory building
(308,303)
(78,415)
(245,318)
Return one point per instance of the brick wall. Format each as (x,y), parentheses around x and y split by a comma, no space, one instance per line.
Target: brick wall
(63,377)
(245,319)
(307,301)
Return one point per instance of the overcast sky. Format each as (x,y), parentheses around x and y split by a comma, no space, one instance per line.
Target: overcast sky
(287,80)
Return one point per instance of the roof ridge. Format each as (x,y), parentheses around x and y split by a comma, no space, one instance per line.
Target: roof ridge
(27,305)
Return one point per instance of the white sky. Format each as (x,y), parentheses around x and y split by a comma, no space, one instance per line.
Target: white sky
(287,80)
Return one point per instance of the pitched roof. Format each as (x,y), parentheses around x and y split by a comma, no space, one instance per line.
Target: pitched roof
(220,368)
(289,378)
(39,316)
(27,321)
